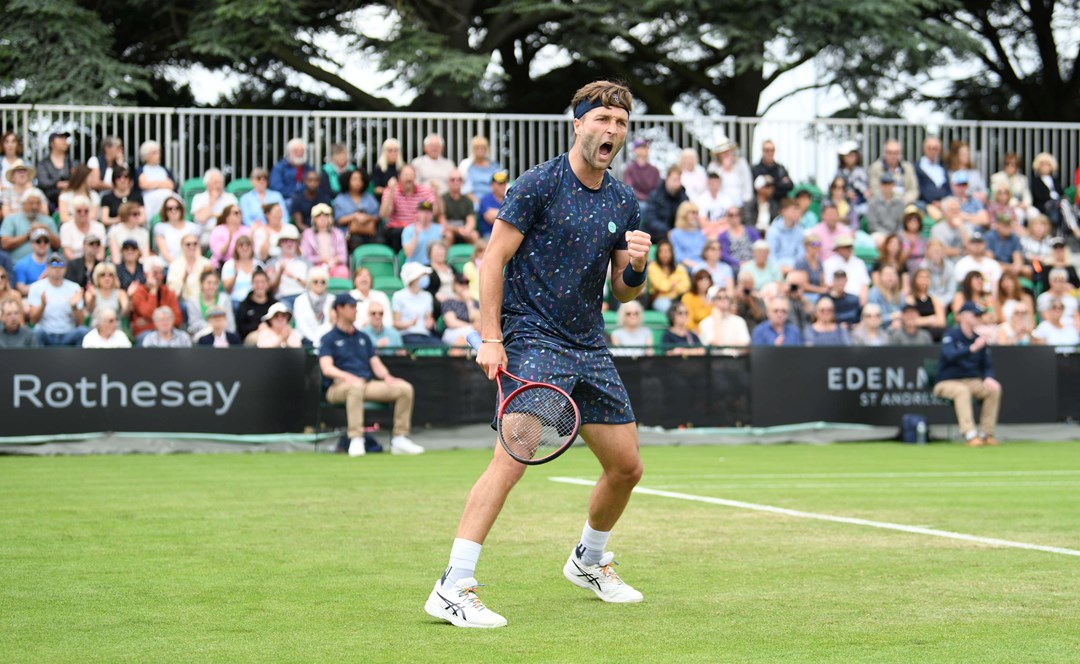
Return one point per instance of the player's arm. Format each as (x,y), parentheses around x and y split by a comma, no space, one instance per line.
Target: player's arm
(502,245)
(634,258)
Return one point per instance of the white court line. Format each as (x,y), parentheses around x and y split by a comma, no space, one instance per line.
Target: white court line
(918,530)
(892,475)
(878,485)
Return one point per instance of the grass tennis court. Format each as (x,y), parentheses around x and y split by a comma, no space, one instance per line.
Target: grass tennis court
(325,558)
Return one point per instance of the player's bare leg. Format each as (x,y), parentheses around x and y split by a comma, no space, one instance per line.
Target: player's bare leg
(487,496)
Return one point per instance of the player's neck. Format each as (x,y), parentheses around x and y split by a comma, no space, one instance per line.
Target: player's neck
(587,175)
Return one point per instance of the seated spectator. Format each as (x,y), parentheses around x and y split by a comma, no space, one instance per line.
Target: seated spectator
(165,334)
(807,217)
(1059,258)
(888,296)
(421,234)
(687,240)
(824,331)
(662,205)
(667,279)
(713,206)
(838,197)
(306,198)
(776,330)
(238,272)
(800,308)
(843,258)
(812,266)
(155,182)
(353,374)
(289,272)
(909,332)
(15,229)
(849,168)
(171,229)
(631,338)
(400,201)
(312,309)
(785,237)
(441,281)
(79,185)
(332,181)
(365,296)
(324,245)
(774,170)
(1045,189)
(911,238)
(1011,295)
(130,225)
(737,241)
(476,170)
(54,170)
(972,211)
(471,269)
(458,214)
(266,235)
(83,223)
(491,202)
(130,270)
(432,168)
(123,191)
(386,168)
(959,161)
(696,300)
(678,339)
(764,207)
(932,176)
(942,271)
(250,311)
(979,260)
(287,176)
(903,172)
(1017,329)
(765,271)
(56,305)
(414,308)
(1004,247)
(208,205)
(1016,182)
(13,333)
(104,292)
(848,307)
(93,254)
(722,327)
(1001,205)
(207,299)
(149,297)
(460,314)
(1037,245)
(223,238)
(693,177)
(188,267)
(275,331)
(964,371)
(748,303)
(721,273)
(20,179)
(640,175)
(972,289)
(216,334)
(382,335)
(931,308)
(357,211)
(829,230)
(252,203)
(884,211)
(1059,289)
(7,290)
(736,177)
(105,332)
(869,331)
(31,267)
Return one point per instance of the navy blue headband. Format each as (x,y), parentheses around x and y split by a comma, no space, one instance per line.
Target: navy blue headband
(584,106)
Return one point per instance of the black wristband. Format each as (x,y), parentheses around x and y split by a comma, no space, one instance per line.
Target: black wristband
(632,277)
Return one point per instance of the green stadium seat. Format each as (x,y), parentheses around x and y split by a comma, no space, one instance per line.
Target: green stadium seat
(388,284)
(656,320)
(189,188)
(372,253)
(154,221)
(611,318)
(336,285)
(239,186)
(458,255)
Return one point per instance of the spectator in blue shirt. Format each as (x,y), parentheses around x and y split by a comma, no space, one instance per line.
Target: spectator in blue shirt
(353,374)
(931,174)
(287,176)
(776,330)
(1004,245)
(488,207)
(785,236)
(306,198)
(383,335)
(31,266)
(965,372)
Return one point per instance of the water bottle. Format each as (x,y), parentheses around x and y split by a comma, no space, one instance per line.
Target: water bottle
(920,433)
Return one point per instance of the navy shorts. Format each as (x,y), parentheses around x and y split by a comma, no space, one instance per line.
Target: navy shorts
(588,376)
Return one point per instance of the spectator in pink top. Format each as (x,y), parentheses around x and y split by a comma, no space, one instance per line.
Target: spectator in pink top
(230,228)
(324,244)
(829,229)
(399,204)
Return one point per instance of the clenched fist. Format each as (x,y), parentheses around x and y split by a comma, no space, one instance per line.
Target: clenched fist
(638,244)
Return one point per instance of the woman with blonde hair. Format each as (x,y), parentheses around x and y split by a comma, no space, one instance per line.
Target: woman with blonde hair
(104,291)
(1011,177)
(477,169)
(687,238)
(722,327)
(1045,189)
(386,168)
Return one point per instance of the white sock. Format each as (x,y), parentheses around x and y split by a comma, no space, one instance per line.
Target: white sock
(593,542)
(463,557)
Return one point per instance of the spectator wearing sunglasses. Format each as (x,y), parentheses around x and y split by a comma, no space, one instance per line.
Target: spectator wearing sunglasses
(81,225)
(57,310)
(31,267)
(1057,329)
(312,308)
(171,229)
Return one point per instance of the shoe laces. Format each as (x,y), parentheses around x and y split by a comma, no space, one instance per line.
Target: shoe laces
(608,570)
(468,594)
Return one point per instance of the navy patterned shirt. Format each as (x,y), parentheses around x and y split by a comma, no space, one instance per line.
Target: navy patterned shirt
(554,284)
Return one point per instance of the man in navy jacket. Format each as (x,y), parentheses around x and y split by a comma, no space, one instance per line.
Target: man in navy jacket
(964,372)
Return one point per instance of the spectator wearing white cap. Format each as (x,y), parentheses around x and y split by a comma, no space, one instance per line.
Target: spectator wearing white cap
(414,308)
(324,244)
(81,225)
(165,334)
(276,331)
(843,258)
(216,334)
(312,308)
(31,267)
(850,169)
(289,272)
(737,179)
(105,332)
(774,170)
(187,268)
(15,229)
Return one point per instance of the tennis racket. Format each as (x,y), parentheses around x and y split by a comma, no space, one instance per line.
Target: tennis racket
(536,421)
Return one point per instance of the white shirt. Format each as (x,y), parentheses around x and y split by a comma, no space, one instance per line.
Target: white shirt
(307,323)
(413,307)
(1069,301)
(72,238)
(987,266)
(714,208)
(857,275)
(695,182)
(363,303)
(93,339)
(1065,337)
(732,331)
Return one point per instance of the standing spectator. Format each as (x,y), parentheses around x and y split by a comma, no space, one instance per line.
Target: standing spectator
(275,331)
(217,335)
(869,331)
(785,237)
(165,334)
(722,327)
(843,258)
(748,303)
(365,296)
(491,202)
(287,176)
(885,210)
(421,234)
(386,168)
(312,309)
(631,338)
(911,237)
(1016,182)
(693,177)
(238,272)
(848,307)
(737,241)
(31,267)
(414,308)
(458,215)
(713,206)
(148,297)
(123,191)
(663,203)
(250,311)
(130,270)
(228,230)
(185,272)
(1057,328)
(776,331)
(400,200)
(323,244)
(1045,189)
(265,236)
(849,168)
(171,229)
(959,161)
(79,185)
(964,372)
(769,167)
(155,182)
(353,374)
(104,164)
(977,259)
(18,180)
(104,292)
(931,173)
(930,307)
(305,198)
(668,280)
(13,333)
(357,211)
(332,174)
(721,273)
(432,168)
(686,238)
(460,314)
(105,332)
(382,335)
(696,300)
(131,225)
(824,331)
(201,307)
(57,310)
(83,224)
(909,333)
(888,296)
(642,176)
(11,153)
(678,339)
(766,272)
(906,185)
(80,269)
(253,204)
(737,179)
(764,207)
(476,169)
(812,267)
(15,229)
(54,169)
(208,205)
(289,272)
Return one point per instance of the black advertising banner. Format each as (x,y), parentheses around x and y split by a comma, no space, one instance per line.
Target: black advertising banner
(198,390)
(878,385)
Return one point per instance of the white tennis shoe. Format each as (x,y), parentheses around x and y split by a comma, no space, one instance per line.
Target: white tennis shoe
(356,447)
(402,445)
(600,578)
(459,605)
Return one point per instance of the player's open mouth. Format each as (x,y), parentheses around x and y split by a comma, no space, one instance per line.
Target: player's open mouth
(605,150)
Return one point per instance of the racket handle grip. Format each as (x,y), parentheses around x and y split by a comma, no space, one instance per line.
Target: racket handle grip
(474,340)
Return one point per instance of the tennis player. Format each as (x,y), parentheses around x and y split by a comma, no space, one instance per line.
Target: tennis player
(562,224)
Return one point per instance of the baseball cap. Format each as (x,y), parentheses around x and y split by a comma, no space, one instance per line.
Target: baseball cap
(321,208)
(56,259)
(909,307)
(215,311)
(425,205)
(38,233)
(976,236)
(825,204)
(129,244)
(58,134)
(91,238)
(500,177)
(840,273)
(912,209)
(762,181)
(960,177)
(759,244)
(1057,242)
(639,143)
(972,307)
(887,178)
(344,299)
(844,241)
(847,147)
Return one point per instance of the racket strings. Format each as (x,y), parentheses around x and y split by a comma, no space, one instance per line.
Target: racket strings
(537,421)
